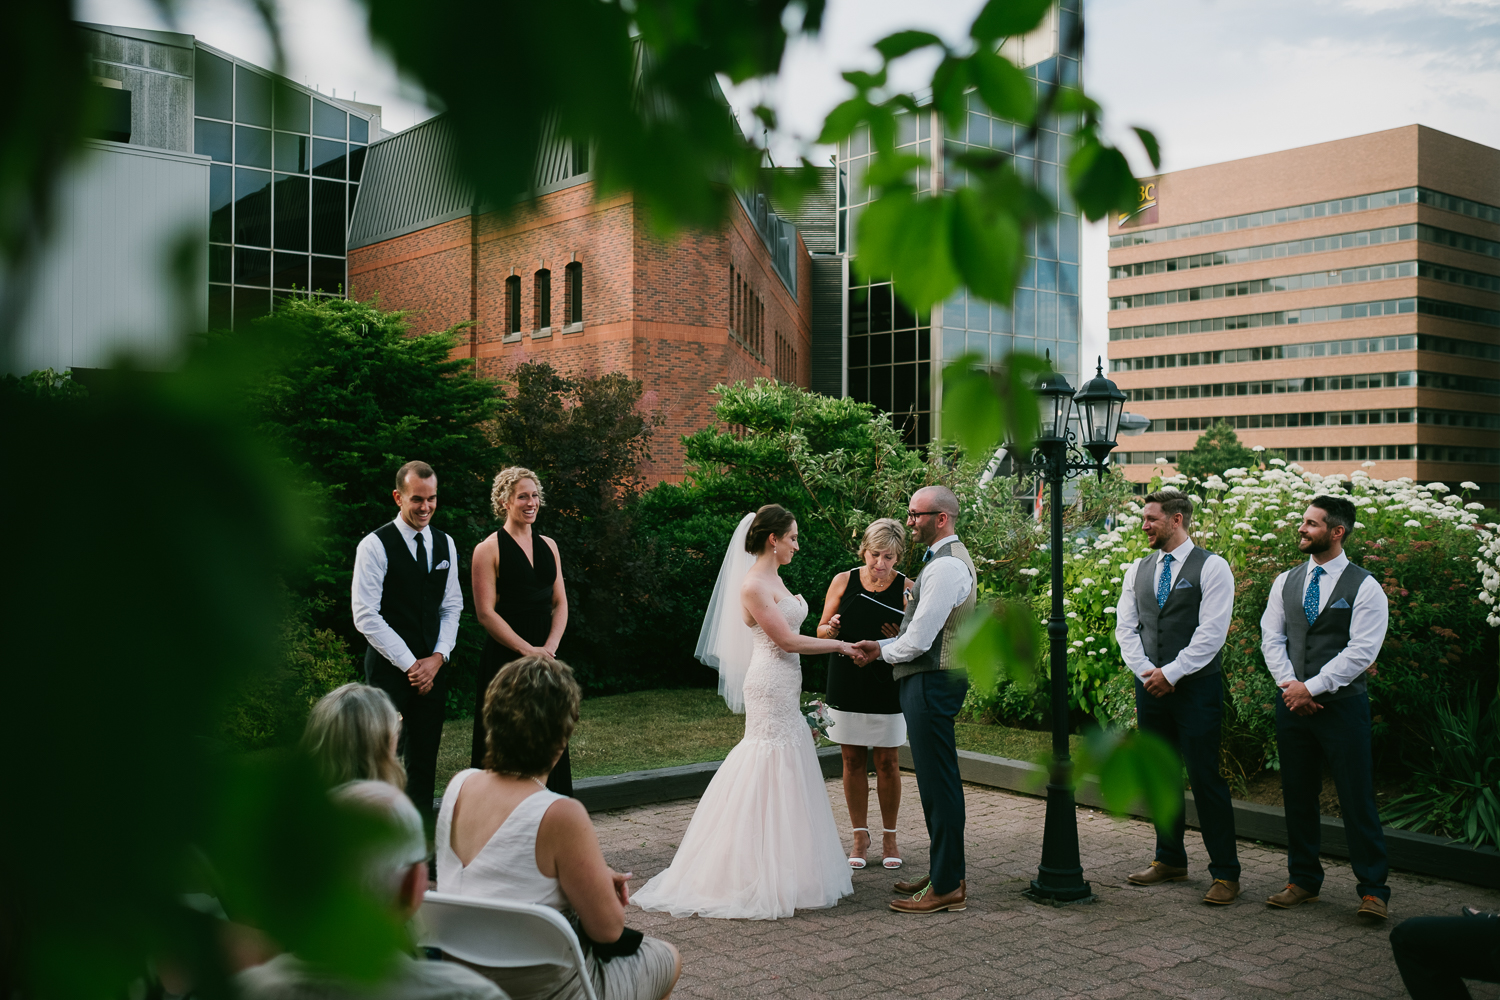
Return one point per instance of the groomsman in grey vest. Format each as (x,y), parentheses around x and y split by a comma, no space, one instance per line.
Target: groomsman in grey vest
(1171,620)
(1323,628)
(932,687)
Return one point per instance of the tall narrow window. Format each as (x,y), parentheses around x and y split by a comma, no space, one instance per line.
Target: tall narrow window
(573,278)
(513,304)
(541,291)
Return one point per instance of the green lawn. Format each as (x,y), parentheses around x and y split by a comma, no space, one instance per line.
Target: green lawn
(647,729)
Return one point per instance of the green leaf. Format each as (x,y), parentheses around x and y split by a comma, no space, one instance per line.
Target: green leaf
(987,245)
(1004,88)
(949,82)
(903,42)
(1000,641)
(972,414)
(1100,179)
(1022,417)
(1148,140)
(888,169)
(865,81)
(1004,18)
(766,115)
(907,238)
(844,119)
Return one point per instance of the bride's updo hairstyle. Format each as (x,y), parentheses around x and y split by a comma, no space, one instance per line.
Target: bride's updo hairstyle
(772,519)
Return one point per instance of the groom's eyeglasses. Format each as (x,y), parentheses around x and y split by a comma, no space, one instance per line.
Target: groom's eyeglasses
(913,514)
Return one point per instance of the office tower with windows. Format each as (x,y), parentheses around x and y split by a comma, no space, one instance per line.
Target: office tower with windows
(1338,304)
(893,354)
(285,160)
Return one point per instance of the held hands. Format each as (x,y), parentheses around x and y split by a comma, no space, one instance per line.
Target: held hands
(1156,683)
(865,651)
(1297,698)
(424,672)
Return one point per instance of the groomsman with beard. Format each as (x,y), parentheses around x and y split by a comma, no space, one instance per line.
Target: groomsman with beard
(1171,621)
(1323,627)
(932,685)
(406,602)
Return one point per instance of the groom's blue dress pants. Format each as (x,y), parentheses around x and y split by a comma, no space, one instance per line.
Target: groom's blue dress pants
(930,700)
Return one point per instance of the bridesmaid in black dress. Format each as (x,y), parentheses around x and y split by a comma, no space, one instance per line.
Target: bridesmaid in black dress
(519,598)
(867,603)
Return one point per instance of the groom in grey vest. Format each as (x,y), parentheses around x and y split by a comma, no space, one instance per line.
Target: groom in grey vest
(932,688)
(1171,621)
(1324,624)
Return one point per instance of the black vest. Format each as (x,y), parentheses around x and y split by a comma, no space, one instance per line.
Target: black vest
(411,598)
(1309,647)
(1166,631)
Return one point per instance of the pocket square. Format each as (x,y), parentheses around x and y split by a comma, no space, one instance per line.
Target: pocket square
(1340,603)
(1184,585)
(442,565)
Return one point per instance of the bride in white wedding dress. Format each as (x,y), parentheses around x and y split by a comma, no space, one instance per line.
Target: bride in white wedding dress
(762,842)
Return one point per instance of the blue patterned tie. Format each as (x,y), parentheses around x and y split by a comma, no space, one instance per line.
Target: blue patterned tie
(1314,595)
(927,555)
(1164,583)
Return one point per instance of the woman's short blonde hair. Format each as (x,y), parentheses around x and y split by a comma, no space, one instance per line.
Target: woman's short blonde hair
(885,535)
(351,736)
(504,488)
(530,709)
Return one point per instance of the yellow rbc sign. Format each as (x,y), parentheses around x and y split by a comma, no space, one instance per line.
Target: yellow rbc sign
(1144,213)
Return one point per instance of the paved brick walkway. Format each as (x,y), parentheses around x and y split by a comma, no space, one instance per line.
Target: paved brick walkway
(1131,942)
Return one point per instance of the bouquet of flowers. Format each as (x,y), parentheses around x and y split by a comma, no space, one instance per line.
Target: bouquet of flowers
(816,714)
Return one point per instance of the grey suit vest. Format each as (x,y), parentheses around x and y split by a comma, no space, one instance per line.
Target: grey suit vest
(940,655)
(1309,647)
(1166,631)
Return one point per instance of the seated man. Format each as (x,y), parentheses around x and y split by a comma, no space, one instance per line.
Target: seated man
(399,872)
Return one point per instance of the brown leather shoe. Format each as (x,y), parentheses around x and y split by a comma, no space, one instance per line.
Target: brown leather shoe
(1292,895)
(1372,910)
(912,888)
(1222,892)
(1157,874)
(928,901)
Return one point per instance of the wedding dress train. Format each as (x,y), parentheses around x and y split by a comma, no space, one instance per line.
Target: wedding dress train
(762,842)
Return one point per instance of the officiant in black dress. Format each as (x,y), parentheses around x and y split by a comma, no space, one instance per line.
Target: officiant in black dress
(867,603)
(519,598)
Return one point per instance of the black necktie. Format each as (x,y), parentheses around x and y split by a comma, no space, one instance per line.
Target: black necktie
(421,553)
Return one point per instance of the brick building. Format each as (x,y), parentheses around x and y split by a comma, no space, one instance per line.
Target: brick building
(1372,327)
(584,283)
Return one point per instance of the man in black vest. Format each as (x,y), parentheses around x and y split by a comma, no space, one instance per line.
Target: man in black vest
(1323,628)
(406,602)
(1171,621)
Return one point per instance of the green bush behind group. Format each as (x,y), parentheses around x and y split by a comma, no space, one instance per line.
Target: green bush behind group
(343,394)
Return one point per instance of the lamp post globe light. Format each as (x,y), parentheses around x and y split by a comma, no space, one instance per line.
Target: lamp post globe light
(1056,457)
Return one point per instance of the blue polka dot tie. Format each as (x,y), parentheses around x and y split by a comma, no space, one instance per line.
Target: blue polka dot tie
(1314,595)
(1164,582)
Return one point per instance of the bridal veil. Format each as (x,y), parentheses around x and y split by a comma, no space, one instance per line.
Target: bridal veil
(725,642)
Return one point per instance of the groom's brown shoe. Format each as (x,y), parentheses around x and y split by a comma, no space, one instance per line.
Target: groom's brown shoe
(927,901)
(1157,874)
(912,888)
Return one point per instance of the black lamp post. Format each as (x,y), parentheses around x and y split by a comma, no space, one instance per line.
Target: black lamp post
(1057,457)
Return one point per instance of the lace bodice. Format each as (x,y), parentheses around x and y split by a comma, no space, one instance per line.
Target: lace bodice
(773,684)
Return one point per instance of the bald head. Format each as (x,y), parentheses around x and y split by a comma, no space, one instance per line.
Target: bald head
(932,514)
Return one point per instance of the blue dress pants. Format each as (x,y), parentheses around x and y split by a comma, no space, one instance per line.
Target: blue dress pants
(1436,954)
(1339,734)
(1189,719)
(930,700)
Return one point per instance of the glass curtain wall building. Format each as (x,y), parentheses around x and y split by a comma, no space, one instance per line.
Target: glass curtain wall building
(286,170)
(892,352)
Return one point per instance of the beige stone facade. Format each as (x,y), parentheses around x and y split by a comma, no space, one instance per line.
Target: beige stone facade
(1387,247)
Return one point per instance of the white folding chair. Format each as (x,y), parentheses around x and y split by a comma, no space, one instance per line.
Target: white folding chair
(499,934)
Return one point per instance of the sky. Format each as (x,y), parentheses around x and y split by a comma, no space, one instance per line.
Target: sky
(1214,79)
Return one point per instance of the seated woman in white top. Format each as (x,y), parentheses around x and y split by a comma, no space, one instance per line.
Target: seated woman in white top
(502,834)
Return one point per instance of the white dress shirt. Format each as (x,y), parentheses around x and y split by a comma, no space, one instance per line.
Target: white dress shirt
(1367,624)
(369,581)
(1215,606)
(945,585)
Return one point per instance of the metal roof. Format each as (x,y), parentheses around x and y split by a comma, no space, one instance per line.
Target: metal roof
(411,181)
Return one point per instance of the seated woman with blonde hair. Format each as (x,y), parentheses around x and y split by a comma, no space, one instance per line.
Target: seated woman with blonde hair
(502,834)
(351,736)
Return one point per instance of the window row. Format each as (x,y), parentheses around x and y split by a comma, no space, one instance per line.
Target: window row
(234,306)
(1334,418)
(1320,349)
(993,348)
(1288,283)
(903,391)
(541,300)
(278,211)
(1286,317)
(287,153)
(785,366)
(1331,383)
(231,92)
(1316,210)
(1268,251)
(747,313)
(1355,453)
(890,348)
(263,269)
